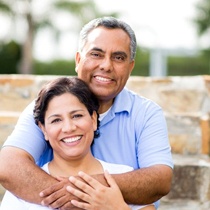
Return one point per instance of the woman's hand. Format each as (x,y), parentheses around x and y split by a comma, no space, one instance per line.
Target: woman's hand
(95,195)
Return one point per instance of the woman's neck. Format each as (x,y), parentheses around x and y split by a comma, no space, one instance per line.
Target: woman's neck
(61,167)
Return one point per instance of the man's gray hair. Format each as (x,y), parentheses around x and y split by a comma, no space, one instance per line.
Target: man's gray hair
(110,23)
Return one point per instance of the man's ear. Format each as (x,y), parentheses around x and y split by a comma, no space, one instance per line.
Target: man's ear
(132,64)
(77,60)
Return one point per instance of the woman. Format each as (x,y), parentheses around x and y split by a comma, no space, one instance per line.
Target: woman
(66,112)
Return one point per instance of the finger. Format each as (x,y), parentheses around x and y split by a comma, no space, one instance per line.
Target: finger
(55,200)
(79,194)
(68,205)
(90,180)
(61,203)
(81,184)
(60,178)
(81,205)
(51,189)
(110,180)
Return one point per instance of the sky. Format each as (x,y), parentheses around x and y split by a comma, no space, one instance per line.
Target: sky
(163,24)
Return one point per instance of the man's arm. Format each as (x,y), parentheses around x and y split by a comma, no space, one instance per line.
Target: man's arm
(141,186)
(144,186)
(20,175)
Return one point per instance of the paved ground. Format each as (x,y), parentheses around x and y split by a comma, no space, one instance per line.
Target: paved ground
(183,205)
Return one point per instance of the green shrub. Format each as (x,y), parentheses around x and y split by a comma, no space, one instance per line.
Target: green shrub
(176,66)
(9,57)
(141,67)
(188,66)
(56,67)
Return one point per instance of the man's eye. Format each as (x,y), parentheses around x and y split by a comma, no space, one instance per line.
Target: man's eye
(94,54)
(119,57)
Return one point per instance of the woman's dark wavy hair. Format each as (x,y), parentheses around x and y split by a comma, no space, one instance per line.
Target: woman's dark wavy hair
(59,86)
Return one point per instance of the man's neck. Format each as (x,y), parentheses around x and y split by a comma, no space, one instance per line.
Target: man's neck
(104,106)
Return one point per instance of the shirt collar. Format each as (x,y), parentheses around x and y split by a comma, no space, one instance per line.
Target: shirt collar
(122,102)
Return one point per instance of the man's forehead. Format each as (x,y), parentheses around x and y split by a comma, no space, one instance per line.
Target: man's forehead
(97,32)
(105,32)
(104,40)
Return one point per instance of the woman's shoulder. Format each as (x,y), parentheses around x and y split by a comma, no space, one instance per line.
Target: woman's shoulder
(115,168)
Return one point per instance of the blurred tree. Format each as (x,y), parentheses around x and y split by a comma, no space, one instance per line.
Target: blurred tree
(9,57)
(202,21)
(36,17)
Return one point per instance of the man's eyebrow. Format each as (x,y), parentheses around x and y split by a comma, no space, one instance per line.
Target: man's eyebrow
(97,49)
(114,53)
(121,53)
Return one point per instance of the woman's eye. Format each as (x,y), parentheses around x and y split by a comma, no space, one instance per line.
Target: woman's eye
(55,120)
(77,116)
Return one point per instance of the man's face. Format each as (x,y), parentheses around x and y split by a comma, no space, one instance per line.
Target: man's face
(104,63)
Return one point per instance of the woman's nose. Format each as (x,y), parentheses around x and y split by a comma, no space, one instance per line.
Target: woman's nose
(68,126)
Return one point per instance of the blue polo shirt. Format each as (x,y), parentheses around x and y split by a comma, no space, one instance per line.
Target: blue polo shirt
(134,133)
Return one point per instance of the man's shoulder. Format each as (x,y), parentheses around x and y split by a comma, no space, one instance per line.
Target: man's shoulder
(136,98)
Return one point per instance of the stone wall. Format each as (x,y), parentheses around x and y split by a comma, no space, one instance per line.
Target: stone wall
(185,102)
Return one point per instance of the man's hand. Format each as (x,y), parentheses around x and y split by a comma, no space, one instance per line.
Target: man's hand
(57,196)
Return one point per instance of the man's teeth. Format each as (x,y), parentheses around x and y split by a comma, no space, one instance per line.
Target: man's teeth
(69,140)
(102,79)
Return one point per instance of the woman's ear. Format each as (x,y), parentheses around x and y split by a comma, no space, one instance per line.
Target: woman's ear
(43,130)
(95,120)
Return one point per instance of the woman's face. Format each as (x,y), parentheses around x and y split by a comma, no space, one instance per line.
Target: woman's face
(69,127)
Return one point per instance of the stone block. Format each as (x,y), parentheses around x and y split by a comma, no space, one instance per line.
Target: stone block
(183,204)
(185,133)
(191,178)
(174,94)
(15,92)
(8,121)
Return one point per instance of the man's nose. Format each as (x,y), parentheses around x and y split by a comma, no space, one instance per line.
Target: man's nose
(106,64)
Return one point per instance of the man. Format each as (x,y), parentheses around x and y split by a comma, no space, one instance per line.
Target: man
(133,130)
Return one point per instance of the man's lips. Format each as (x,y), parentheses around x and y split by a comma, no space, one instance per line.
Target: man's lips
(102,79)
